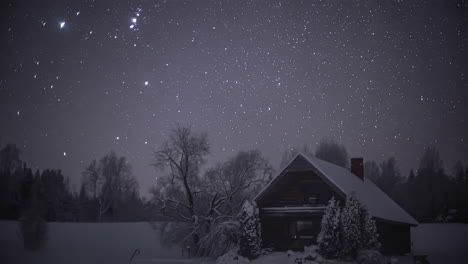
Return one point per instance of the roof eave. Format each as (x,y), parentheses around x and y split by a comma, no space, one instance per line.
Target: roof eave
(395,222)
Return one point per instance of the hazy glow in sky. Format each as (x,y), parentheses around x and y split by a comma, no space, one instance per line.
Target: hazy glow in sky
(386,78)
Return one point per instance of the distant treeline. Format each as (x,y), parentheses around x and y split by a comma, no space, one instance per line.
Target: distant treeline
(108,190)
(429,194)
(48,194)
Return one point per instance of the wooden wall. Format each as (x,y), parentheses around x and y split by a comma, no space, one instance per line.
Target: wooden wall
(295,188)
(394,238)
(282,233)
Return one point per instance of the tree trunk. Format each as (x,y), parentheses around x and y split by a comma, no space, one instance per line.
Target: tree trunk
(100,213)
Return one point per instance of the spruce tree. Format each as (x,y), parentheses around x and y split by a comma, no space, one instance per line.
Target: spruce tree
(329,238)
(358,228)
(351,227)
(370,237)
(250,240)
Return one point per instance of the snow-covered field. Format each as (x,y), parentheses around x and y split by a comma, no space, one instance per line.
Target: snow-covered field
(85,243)
(444,243)
(115,242)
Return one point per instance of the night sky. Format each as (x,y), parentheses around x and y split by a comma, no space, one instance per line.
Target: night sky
(81,78)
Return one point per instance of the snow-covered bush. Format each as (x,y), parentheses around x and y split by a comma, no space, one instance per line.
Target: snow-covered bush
(33,229)
(358,228)
(351,227)
(369,257)
(329,238)
(232,257)
(250,240)
(370,236)
(347,230)
(221,238)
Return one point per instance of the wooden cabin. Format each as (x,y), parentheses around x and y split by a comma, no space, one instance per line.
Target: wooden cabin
(292,204)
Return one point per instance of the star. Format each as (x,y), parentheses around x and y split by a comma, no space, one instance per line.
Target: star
(244,84)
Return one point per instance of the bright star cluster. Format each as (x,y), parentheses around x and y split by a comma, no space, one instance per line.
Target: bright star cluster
(386,78)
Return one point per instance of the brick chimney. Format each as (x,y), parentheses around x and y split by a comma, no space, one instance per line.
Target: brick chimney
(357,167)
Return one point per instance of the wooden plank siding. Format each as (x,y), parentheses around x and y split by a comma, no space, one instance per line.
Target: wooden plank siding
(295,188)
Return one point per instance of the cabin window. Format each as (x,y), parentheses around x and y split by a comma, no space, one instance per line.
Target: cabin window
(312,200)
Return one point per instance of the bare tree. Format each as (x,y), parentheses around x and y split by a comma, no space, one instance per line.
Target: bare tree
(390,177)
(225,188)
(182,154)
(193,204)
(229,184)
(90,178)
(10,170)
(332,152)
(10,159)
(108,180)
(372,170)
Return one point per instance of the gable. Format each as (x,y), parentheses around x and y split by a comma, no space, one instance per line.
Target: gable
(299,164)
(296,182)
(294,189)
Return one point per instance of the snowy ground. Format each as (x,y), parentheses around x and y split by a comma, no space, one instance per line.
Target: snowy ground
(444,243)
(115,242)
(86,243)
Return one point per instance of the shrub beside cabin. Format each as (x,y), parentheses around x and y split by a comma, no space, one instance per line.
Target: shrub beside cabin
(292,204)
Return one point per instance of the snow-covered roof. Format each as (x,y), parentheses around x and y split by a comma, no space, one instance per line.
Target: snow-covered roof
(376,201)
